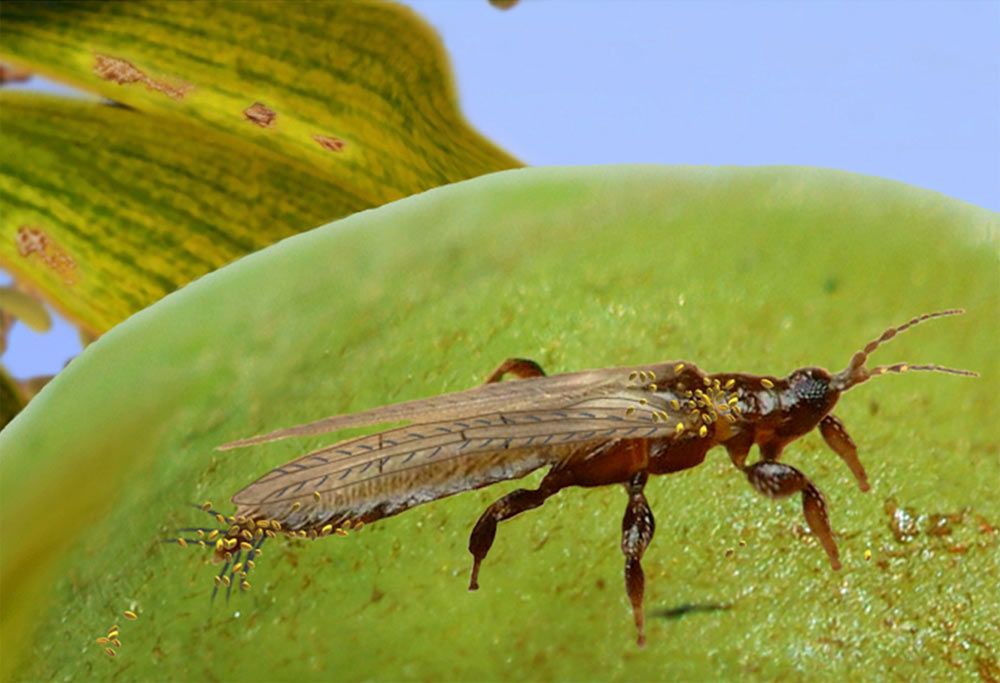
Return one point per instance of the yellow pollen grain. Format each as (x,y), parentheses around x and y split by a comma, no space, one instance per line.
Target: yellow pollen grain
(346,524)
(703,431)
(116,642)
(296,505)
(904,367)
(230,543)
(707,382)
(316,496)
(679,428)
(237,567)
(341,532)
(263,523)
(201,534)
(766,383)
(731,419)
(270,534)
(219,545)
(245,546)
(679,367)
(220,519)
(868,555)
(251,564)
(706,418)
(643,401)
(675,404)
(130,615)
(733,400)
(276,525)
(206,506)
(245,585)
(182,543)
(225,581)
(218,580)
(202,544)
(327,529)
(110,652)
(213,534)
(652,387)
(103,641)
(632,376)
(730,384)
(629,410)
(112,634)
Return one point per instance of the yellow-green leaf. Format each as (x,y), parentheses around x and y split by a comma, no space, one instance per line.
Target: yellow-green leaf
(756,270)
(11,398)
(25,308)
(107,209)
(360,91)
(255,121)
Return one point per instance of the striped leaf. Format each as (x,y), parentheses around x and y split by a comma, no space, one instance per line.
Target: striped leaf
(107,209)
(756,270)
(253,121)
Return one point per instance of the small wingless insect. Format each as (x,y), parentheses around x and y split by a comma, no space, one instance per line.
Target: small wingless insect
(592,428)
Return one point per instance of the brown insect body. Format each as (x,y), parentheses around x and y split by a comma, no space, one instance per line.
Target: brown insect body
(592,428)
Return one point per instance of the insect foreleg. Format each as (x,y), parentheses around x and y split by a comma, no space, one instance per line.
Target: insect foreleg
(522,368)
(777,480)
(513,503)
(637,531)
(840,441)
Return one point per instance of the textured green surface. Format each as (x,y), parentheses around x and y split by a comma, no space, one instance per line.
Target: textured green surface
(760,270)
(143,201)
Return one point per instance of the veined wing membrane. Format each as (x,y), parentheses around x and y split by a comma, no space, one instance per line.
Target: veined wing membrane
(524,394)
(396,469)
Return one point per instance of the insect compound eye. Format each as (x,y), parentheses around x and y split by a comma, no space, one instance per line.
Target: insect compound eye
(811,385)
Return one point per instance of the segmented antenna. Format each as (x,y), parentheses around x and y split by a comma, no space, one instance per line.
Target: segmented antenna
(855,373)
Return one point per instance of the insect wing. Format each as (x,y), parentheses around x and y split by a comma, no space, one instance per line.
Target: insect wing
(535,392)
(384,473)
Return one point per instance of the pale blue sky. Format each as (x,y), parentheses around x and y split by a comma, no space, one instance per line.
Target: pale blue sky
(903,90)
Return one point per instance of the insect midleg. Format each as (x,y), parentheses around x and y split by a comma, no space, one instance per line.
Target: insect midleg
(514,503)
(522,368)
(837,438)
(637,531)
(778,480)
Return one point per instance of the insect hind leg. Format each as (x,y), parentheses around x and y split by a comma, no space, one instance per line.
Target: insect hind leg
(638,527)
(522,368)
(514,503)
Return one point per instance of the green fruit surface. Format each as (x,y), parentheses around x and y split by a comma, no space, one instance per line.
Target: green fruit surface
(758,270)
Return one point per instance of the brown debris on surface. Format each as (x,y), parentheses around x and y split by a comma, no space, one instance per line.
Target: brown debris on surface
(331,143)
(260,114)
(124,72)
(33,240)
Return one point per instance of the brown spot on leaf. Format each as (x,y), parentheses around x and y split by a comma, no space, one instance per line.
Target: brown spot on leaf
(261,114)
(32,240)
(124,72)
(331,143)
(13,74)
